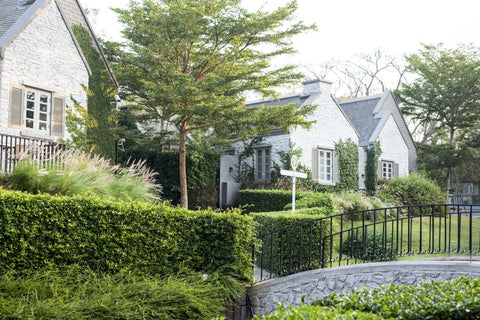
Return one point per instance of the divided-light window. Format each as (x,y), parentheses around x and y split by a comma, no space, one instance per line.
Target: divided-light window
(263,165)
(325,166)
(37,110)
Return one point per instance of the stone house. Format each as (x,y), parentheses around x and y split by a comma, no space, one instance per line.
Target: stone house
(42,67)
(363,120)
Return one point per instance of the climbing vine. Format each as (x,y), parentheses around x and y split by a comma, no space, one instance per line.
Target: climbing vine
(100,131)
(347,152)
(373,154)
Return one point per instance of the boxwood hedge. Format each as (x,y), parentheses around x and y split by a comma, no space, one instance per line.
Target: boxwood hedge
(41,230)
(279,200)
(279,252)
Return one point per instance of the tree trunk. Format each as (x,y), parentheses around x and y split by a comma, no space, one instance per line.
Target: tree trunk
(447,183)
(183,166)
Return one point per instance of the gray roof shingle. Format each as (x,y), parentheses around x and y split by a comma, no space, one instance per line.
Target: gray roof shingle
(10,12)
(361,115)
(297,99)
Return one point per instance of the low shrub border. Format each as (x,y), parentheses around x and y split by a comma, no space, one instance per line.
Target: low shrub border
(41,230)
(459,299)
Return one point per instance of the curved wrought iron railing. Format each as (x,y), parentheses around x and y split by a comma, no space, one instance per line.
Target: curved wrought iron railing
(366,236)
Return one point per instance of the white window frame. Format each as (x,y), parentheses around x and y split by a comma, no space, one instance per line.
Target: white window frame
(37,111)
(325,166)
(263,164)
(387,170)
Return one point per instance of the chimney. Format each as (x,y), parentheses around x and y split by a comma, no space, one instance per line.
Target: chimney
(317,86)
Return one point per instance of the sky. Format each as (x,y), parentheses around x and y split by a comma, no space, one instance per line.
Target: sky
(350,27)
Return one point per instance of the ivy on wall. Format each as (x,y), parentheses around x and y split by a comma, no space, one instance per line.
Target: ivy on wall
(373,154)
(347,152)
(100,131)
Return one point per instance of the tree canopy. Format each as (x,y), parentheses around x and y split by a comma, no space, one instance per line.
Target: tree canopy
(444,99)
(190,63)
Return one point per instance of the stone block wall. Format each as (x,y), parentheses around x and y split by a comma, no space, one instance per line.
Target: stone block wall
(266,296)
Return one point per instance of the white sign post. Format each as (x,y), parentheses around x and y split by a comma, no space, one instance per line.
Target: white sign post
(295,175)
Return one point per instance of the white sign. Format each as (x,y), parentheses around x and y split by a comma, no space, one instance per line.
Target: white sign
(293,174)
(294,162)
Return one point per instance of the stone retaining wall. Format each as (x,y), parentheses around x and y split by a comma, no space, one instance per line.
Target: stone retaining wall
(267,295)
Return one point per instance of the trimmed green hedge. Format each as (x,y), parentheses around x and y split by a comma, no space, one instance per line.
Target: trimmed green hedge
(459,299)
(279,200)
(264,200)
(314,200)
(297,230)
(42,230)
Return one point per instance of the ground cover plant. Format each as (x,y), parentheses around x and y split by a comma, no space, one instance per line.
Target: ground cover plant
(79,293)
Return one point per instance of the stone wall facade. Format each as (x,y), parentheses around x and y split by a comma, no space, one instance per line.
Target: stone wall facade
(43,56)
(393,146)
(266,296)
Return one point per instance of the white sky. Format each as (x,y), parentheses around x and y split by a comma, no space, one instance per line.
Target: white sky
(349,27)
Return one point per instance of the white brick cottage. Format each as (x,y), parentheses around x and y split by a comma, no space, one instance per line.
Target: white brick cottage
(363,120)
(42,68)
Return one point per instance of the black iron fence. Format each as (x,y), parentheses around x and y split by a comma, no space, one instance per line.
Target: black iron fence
(366,236)
(12,147)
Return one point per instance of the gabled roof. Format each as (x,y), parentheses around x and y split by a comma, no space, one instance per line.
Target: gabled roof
(362,114)
(298,99)
(15,15)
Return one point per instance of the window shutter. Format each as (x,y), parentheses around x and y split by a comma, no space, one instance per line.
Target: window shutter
(57,116)
(16,108)
(315,164)
(336,168)
(379,171)
(395,169)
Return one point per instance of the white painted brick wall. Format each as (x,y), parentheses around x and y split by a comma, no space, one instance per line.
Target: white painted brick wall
(43,55)
(393,146)
(331,126)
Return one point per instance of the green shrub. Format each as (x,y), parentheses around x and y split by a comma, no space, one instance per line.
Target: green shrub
(278,247)
(264,200)
(75,172)
(346,202)
(314,312)
(371,247)
(41,230)
(459,299)
(77,293)
(312,200)
(411,190)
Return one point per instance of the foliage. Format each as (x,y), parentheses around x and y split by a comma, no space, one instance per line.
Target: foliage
(100,130)
(314,200)
(373,154)
(413,189)
(356,202)
(443,100)
(77,121)
(369,245)
(201,174)
(264,200)
(283,250)
(459,299)
(73,172)
(348,163)
(190,63)
(315,312)
(42,230)
(78,293)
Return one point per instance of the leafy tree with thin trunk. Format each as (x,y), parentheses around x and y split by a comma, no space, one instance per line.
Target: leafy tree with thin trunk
(192,62)
(445,98)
